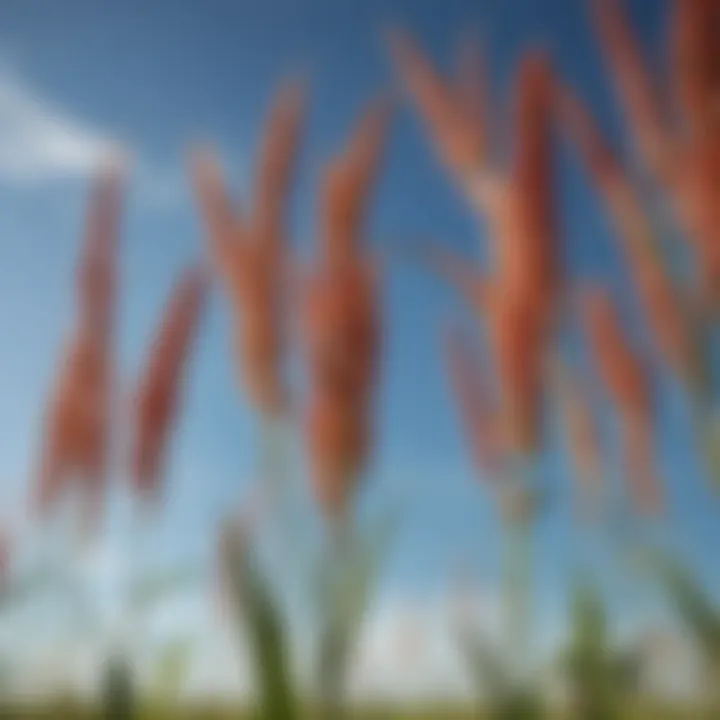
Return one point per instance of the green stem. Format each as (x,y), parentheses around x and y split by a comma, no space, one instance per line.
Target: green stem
(118,696)
(334,631)
(517,603)
(272,460)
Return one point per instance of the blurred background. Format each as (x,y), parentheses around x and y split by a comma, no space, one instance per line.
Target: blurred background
(80,79)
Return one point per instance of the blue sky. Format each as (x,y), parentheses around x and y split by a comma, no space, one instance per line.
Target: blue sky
(157,76)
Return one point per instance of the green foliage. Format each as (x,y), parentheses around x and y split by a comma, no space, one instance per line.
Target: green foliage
(700,616)
(597,676)
(503,698)
(255,606)
(346,583)
(118,701)
(694,607)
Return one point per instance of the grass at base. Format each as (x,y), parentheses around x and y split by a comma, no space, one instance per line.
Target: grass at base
(73,710)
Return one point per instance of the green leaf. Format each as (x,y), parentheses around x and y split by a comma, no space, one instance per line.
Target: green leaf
(346,586)
(693,605)
(589,663)
(486,667)
(255,605)
(505,699)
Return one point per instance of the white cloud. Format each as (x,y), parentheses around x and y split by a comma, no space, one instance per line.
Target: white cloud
(41,142)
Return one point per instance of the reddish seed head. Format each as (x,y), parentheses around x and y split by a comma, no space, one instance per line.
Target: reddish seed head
(517,337)
(337,443)
(626,383)
(518,205)
(76,425)
(341,337)
(695,63)
(156,402)
(96,273)
(618,364)
(478,408)
(347,182)
(248,252)
(581,432)
(340,321)
(681,148)
(341,329)
(519,299)
(695,192)
(640,467)
(523,221)
(453,116)
(634,85)
(662,308)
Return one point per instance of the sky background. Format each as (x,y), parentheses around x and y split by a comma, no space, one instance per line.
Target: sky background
(158,76)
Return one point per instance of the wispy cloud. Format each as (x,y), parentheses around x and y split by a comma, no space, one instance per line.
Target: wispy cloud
(41,142)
